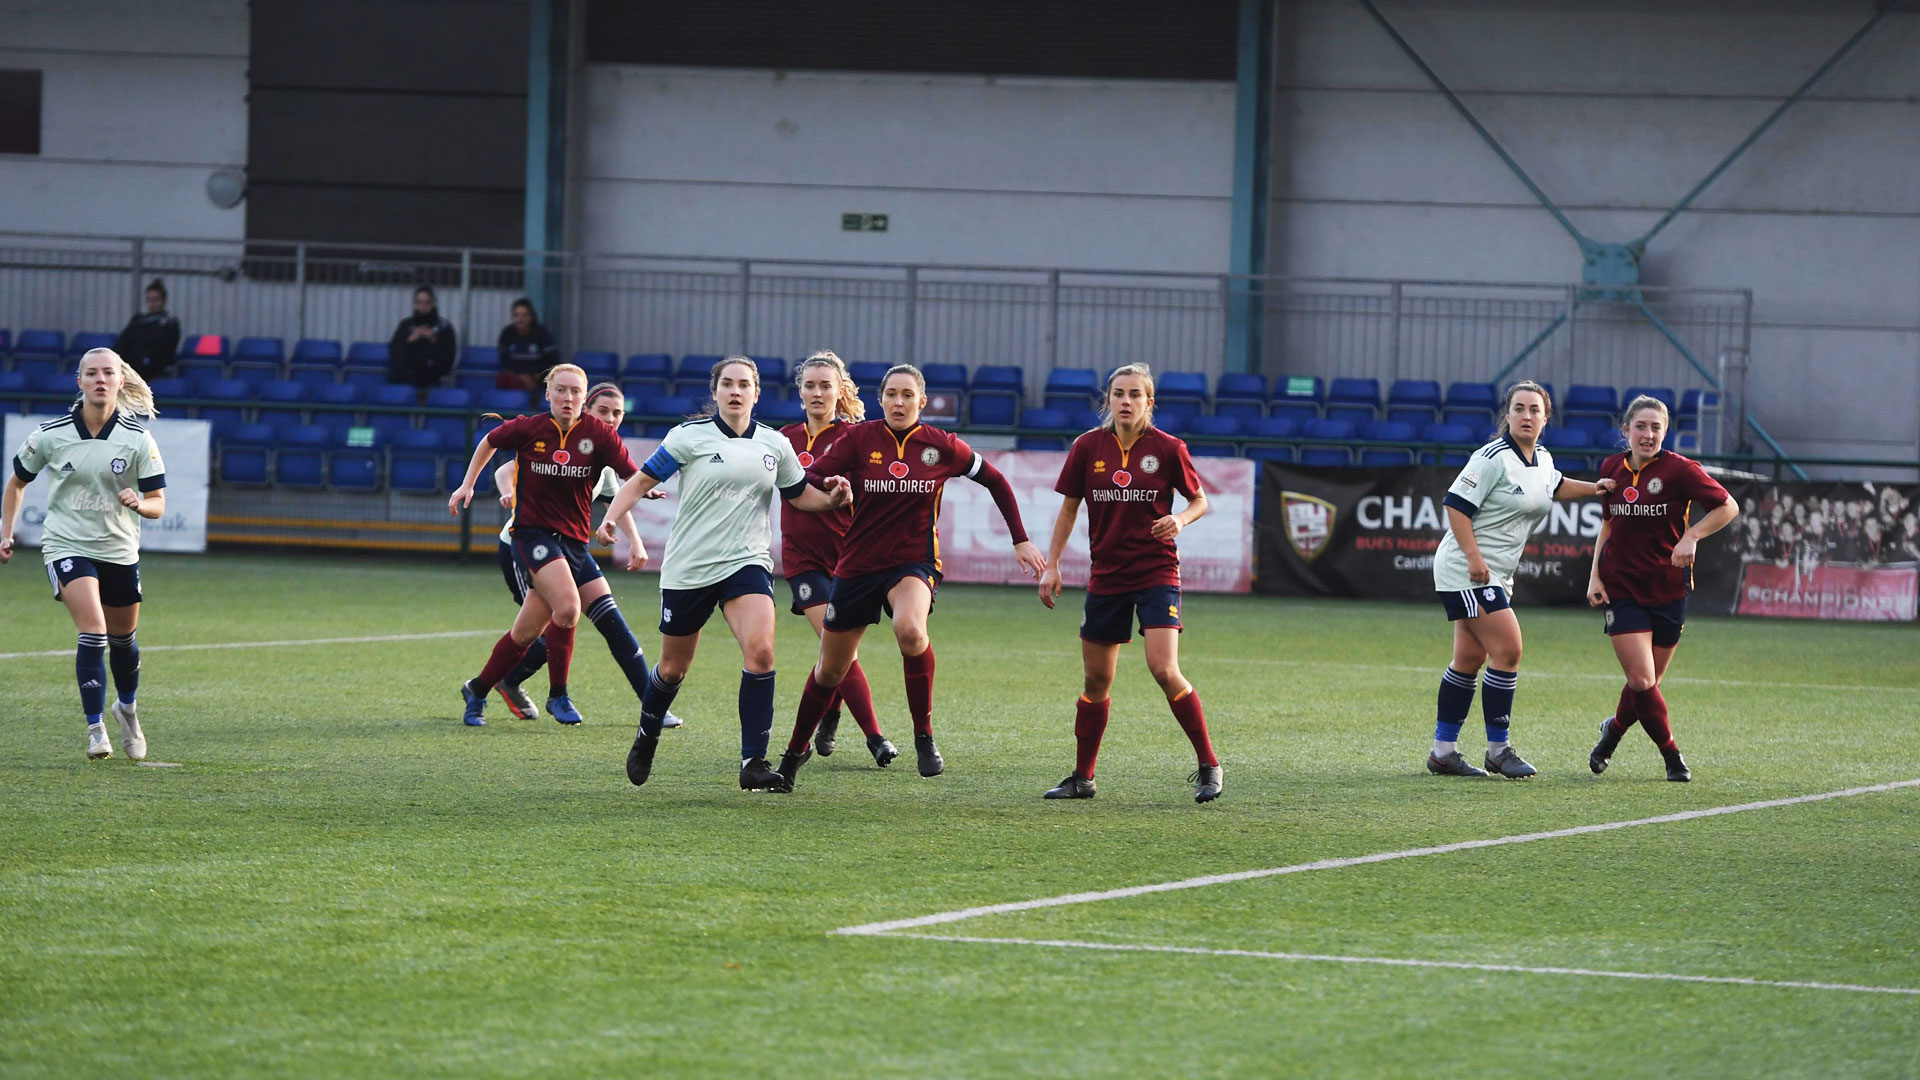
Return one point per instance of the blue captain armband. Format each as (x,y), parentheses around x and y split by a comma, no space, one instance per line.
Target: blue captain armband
(660,466)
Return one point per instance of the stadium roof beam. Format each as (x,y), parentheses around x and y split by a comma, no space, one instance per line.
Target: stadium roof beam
(1611,271)
(1253,82)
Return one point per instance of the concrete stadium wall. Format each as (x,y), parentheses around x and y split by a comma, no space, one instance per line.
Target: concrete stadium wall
(1616,110)
(1023,172)
(140,102)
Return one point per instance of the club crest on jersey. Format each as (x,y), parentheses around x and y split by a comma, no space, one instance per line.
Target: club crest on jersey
(66,566)
(769,461)
(119,465)
(1630,494)
(806,459)
(829,612)
(586,446)
(805,590)
(1654,485)
(1609,617)
(929,456)
(561,457)
(666,614)
(1150,464)
(539,552)
(1309,523)
(897,470)
(1122,478)
(1488,594)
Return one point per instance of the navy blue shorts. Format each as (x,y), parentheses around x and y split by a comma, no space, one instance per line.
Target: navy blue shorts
(1666,621)
(119,583)
(534,548)
(1109,619)
(684,611)
(859,601)
(1475,602)
(810,588)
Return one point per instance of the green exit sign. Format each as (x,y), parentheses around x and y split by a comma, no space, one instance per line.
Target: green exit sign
(863,223)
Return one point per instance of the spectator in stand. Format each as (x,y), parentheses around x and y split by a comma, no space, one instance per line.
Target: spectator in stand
(526,350)
(151,341)
(421,351)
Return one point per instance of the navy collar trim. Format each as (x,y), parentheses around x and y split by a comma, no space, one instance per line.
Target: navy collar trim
(81,423)
(1507,437)
(732,434)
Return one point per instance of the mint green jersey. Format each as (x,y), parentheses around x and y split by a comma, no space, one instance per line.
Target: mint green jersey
(727,482)
(87,470)
(1507,496)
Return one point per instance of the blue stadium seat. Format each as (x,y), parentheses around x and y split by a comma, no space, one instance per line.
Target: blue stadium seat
(508,403)
(86,341)
(673,408)
(1600,429)
(316,352)
(1174,419)
(367,380)
(776,376)
(354,465)
(243,465)
(1003,378)
(475,382)
(337,395)
(260,350)
(1039,442)
(779,412)
(172,388)
(6,343)
(1328,429)
(1590,401)
(455,471)
(1045,420)
(201,370)
(254,434)
(1569,447)
(1274,427)
(1414,401)
(1353,399)
(867,374)
(368,354)
(995,397)
(1450,434)
(1241,394)
(282,403)
(255,374)
(600,365)
(58,382)
(993,409)
(1308,389)
(1082,420)
(1692,401)
(415,461)
(1663,394)
(316,369)
(1472,397)
(1071,388)
(658,366)
(479,358)
(1182,388)
(694,376)
(392,397)
(1214,436)
(1391,431)
(51,344)
(449,397)
(37,367)
(13,384)
(300,458)
(1268,452)
(1325,455)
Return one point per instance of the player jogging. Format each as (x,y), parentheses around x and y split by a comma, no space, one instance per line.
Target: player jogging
(604,403)
(1127,472)
(105,474)
(720,554)
(1499,498)
(1643,571)
(890,558)
(559,456)
(810,543)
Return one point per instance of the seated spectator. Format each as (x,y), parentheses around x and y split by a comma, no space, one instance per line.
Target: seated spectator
(421,351)
(526,350)
(151,341)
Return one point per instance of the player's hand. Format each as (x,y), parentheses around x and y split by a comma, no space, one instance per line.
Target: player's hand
(1477,571)
(1604,484)
(6,548)
(1683,551)
(1596,593)
(1030,558)
(636,558)
(839,491)
(1167,528)
(1050,586)
(130,498)
(506,500)
(654,493)
(606,533)
(461,498)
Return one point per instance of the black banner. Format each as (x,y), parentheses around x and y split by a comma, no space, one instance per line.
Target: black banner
(1372,533)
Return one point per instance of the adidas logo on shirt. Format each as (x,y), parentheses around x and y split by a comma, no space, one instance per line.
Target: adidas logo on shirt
(68,467)
(718,460)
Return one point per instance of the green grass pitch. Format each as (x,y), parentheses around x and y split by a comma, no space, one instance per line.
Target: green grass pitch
(340,879)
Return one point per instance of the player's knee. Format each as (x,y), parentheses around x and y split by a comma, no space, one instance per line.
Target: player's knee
(1168,676)
(912,638)
(1641,681)
(670,669)
(830,671)
(1506,659)
(1097,685)
(758,656)
(565,617)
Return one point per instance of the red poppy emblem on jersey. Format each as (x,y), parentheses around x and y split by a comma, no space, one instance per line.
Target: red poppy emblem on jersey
(1121,478)
(806,459)
(1630,494)
(561,457)
(898,469)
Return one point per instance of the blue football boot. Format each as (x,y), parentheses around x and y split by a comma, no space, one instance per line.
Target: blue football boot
(476,705)
(561,708)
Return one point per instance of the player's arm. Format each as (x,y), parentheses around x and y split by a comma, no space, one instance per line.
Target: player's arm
(152,505)
(1188,484)
(1462,501)
(503,480)
(9,512)
(1596,592)
(801,491)
(1570,488)
(1719,518)
(984,474)
(1062,532)
(150,500)
(1462,527)
(658,470)
(462,496)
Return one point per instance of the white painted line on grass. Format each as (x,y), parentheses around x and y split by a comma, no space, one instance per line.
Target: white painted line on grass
(1387,961)
(290,643)
(1358,860)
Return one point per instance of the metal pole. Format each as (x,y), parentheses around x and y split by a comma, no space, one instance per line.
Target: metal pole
(300,290)
(575,284)
(1053,321)
(913,314)
(1573,340)
(137,258)
(1393,328)
(466,295)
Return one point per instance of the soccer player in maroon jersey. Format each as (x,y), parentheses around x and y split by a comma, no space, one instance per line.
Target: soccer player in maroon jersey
(890,557)
(810,543)
(1643,571)
(560,456)
(1127,472)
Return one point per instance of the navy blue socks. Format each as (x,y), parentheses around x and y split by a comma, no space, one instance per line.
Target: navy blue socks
(123,652)
(1496,703)
(1456,699)
(756,713)
(90,671)
(655,703)
(606,618)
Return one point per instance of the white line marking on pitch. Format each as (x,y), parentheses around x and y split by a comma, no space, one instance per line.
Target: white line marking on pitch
(1358,860)
(1387,961)
(276,644)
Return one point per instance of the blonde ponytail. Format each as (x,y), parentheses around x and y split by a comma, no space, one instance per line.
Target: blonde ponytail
(847,402)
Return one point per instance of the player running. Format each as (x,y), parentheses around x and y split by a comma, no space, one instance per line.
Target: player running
(1499,498)
(810,543)
(1127,472)
(106,475)
(606,404)
(890,558)
(560,455)
(1643,571)
(720,554)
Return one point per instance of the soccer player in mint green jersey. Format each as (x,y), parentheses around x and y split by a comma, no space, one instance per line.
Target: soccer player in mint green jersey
(106,475)
(720,555)
(1500,497)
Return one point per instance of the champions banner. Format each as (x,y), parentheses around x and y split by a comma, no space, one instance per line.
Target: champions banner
(1815,551)
(1215,552)
(1372,533)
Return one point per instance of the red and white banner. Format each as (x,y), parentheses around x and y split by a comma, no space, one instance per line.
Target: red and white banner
(1216,552)
(1868,594)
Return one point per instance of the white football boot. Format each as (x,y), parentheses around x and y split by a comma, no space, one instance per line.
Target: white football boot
(98,746)
(131,738)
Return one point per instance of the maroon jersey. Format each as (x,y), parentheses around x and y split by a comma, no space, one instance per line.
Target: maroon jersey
(897,479)
(554,474)
(811,541)
(1126,491)
(1648,511)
